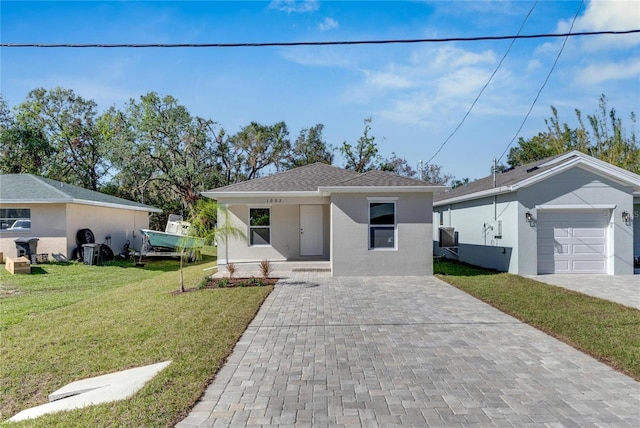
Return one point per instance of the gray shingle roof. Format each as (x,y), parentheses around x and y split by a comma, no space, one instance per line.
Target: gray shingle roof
(28,188)
(516,175)
(309,178)
(382,179)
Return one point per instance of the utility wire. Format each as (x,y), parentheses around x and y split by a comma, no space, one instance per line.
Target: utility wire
(444,143)
(564,42)
(353,42)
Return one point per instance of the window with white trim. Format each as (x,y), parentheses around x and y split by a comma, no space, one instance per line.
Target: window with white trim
(382,225)
(259,226)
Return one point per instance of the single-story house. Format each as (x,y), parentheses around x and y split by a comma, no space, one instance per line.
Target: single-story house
(365,224)
(569,213)
(56,211)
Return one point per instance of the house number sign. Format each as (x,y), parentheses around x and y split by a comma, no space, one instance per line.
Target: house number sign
(274,200)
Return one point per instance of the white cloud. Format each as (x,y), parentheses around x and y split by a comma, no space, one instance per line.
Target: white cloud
(533,64)
(290,6)
(602,72)
(606,15)
(328,24)
(432,79)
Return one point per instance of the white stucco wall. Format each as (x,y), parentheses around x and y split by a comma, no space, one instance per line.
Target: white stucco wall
(285,230)
(350,254)
(578,189)
(636,227)
(487,231)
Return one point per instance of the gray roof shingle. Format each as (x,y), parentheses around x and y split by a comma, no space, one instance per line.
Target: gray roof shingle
(309,178)
(32,188)
(510,177)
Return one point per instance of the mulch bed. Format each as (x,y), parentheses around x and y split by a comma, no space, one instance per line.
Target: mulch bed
(232,283)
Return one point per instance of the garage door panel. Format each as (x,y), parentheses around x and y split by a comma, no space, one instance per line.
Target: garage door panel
(588,249)
(572,241)
(589,233)
(588,266)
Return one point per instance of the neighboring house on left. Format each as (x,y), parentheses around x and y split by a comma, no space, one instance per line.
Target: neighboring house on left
(52,211)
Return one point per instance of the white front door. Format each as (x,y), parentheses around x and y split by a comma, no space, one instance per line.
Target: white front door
(572,241)
(311,230)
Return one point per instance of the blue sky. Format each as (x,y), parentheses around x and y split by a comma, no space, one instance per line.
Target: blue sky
(415,94)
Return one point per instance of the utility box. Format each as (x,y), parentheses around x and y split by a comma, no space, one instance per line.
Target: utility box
(91,254)
(27,247)
(18,265)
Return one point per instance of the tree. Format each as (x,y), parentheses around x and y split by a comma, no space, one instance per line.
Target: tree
(24,149)
(458,183)
(363,156)
(253,149)
(398,166)
(607,139)
(164,156)
(62,125)
(309,148)
(433,174)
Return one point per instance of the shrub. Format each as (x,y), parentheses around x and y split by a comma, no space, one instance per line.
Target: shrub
(223,282)
(266,268)
(204,282)
(231,268)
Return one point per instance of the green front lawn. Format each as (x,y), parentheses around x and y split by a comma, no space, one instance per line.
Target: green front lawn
(68,322)
(605,330)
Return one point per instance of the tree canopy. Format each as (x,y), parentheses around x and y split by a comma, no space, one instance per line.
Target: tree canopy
(605,138)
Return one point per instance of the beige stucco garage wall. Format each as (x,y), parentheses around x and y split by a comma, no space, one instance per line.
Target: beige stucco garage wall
(350,253)
(47,224)
(122,224)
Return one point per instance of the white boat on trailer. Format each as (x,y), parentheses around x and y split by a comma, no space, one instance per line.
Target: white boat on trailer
(172,241)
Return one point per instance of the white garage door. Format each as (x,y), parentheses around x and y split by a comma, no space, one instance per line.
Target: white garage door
(572,241)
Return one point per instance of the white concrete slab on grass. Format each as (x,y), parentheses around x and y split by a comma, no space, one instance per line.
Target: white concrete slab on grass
(96,390)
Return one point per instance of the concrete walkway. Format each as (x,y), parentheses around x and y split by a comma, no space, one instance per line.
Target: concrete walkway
(414,351)
(623,289)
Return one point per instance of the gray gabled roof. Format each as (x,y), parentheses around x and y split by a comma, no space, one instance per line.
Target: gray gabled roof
(319,177)
(511,179)
(28,188)
(303,179)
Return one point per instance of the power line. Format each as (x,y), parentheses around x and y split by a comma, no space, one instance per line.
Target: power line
(553,66)
(267,44)
(444,143)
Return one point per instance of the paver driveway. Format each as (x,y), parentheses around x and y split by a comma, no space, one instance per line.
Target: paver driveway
(412,351)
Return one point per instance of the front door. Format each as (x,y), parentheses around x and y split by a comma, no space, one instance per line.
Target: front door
(311,230)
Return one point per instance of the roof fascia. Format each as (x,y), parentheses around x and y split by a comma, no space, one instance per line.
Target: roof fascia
(614,173)
(216,195)
(80,202)
(476,195)
(380,189)
(587,162)
(118,206)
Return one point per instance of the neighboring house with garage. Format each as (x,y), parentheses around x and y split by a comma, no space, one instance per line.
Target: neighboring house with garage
(570,213)
(52,211)
(372,224)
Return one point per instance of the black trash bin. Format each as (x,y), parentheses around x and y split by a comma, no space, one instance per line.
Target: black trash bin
(27,247)
(91,254)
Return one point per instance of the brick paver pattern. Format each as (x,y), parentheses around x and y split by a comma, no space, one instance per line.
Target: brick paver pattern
(376,352)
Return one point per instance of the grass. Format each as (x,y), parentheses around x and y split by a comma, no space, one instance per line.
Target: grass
(69,322)
(605,330)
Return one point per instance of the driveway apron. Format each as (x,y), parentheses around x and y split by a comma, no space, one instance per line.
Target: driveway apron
(405,352)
